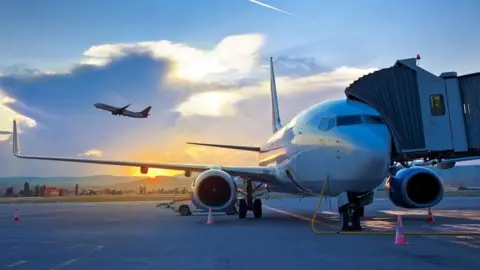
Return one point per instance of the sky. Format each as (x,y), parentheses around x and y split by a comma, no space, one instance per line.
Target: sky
(202,66)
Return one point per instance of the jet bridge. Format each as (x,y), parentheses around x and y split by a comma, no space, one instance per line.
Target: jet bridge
(429,116)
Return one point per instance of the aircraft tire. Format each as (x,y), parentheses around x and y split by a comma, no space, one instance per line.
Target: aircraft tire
(184,210)
(242,209)
(257,208)
(349,222)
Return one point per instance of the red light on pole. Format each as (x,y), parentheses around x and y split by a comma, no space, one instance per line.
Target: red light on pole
(418,57)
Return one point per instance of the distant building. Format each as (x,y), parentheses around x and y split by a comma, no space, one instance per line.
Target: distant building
(451,187)
(51,191)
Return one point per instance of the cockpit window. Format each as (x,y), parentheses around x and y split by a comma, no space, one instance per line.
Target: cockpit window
(349,120)
(327,123)
(372,119)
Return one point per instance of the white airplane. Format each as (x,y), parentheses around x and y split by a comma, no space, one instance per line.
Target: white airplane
(343,141)
(123,110)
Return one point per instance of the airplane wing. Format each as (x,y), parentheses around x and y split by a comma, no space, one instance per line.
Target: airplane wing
(261,174)
(120,110)
(236,147)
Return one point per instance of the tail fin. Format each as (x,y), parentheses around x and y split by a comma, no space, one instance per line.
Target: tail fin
(16,147)
(276,122)
(146,111)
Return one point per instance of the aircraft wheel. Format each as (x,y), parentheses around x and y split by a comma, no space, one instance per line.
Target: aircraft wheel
(184,210)
(242,209)
(257,208)
(361,211)
(350,218)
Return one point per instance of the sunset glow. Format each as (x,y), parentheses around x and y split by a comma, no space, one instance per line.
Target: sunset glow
(155,172)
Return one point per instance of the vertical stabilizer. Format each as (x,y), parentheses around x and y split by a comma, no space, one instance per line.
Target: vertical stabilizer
(146,111)
(276,123)
(16,147)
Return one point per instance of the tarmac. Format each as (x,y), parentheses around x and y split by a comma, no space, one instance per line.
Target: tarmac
(138,235)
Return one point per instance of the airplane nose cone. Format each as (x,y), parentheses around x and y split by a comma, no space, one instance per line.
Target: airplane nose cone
(375,147)
(368,155)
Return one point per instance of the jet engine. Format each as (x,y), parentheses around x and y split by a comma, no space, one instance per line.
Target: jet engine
(214,189)
(415,187)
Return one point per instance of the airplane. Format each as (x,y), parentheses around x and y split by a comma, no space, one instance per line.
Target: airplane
(123,110)
(342,142)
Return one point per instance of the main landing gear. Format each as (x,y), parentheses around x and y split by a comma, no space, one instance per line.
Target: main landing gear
(249,204)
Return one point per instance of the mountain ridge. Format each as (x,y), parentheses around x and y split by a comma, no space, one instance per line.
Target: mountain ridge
(462,175)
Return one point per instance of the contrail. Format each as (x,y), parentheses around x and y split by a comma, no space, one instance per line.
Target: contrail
(277,9)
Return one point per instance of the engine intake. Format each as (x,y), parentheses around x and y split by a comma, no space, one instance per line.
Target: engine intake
(415,187)
(214,189)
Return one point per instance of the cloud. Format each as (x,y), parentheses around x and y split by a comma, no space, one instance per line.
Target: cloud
(8,115)
(191,64)
(92,153)
(223,100)
(218,103)
(215,95)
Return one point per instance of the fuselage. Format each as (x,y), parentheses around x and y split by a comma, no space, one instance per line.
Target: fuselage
(115,110)
(344,141)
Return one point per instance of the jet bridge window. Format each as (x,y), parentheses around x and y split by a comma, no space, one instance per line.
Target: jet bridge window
(437,105)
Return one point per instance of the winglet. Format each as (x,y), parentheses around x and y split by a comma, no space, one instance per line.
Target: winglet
(276,123)
(16,148)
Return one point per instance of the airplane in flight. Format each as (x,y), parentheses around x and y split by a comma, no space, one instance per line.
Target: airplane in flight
(123,110)
(342,142)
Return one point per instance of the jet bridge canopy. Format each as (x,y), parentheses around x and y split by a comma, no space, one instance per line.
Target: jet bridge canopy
(427,115)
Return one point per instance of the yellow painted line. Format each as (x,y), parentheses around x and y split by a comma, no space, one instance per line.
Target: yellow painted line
(301,217)
(15,264)
(471,245)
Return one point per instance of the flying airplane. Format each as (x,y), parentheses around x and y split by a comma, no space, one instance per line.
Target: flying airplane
(123,110)
(341,142)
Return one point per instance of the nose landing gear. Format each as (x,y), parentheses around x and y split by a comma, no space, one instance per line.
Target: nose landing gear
(350,217)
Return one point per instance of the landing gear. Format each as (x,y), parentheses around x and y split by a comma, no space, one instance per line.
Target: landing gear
(242,209)
(350,217)
(361,211)
(184,210)
(249,204)
(257,208)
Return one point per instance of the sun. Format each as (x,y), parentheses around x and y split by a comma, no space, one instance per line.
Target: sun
(156,172)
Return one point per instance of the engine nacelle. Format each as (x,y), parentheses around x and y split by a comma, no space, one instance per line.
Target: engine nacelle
(143,170)
(415,187)
(214,189)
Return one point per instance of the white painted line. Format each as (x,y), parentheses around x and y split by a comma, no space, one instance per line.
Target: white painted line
(64,264)
(15,264)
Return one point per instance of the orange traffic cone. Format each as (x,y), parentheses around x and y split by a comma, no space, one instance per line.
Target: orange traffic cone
(399,222)
(399,236)
(210,217)
(16,215)
(430,218)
